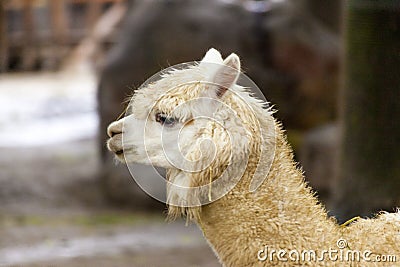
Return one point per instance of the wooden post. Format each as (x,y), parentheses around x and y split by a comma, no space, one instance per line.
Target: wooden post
(59,22)
(59,28)
(29,36)
(3,38)
(93,15)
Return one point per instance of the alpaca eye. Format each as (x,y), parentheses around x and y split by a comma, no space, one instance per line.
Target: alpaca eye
(166,120)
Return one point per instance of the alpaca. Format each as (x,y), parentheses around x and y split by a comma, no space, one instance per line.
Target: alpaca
(276,221)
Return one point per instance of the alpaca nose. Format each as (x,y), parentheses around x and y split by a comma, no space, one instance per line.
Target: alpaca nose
(114,128)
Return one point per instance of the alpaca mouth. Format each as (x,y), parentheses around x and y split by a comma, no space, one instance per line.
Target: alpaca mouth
(114,144)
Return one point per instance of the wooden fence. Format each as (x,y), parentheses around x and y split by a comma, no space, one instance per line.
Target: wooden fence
(37,34)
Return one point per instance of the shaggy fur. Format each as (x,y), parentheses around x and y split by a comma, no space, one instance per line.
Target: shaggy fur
(282,213)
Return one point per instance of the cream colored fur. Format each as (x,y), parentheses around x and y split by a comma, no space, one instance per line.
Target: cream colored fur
(282,213)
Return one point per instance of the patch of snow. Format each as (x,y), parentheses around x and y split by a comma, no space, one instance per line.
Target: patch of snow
(43,109)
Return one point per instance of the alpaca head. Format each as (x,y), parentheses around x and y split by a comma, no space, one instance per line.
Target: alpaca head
(196,122)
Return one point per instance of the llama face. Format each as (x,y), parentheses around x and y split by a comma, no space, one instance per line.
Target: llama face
(201,126)
(166,117)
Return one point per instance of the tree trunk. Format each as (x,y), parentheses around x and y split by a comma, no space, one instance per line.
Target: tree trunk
(369,171)
(3,38)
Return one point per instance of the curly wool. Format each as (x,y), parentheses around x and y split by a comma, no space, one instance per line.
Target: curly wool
(285,214)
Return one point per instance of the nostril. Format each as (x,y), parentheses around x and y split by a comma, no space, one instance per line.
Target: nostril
(114,129)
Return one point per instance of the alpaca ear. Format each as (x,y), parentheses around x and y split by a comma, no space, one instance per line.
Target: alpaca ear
(213,56)
(226,75)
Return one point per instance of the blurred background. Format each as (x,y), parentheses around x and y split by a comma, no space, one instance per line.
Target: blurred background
(330,68)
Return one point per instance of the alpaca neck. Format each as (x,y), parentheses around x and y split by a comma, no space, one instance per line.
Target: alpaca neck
(281,212)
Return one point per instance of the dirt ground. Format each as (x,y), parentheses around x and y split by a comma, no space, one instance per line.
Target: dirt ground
(52,213)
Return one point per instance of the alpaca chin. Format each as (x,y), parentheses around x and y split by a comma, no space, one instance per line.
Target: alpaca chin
(190,213)
(181,200)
